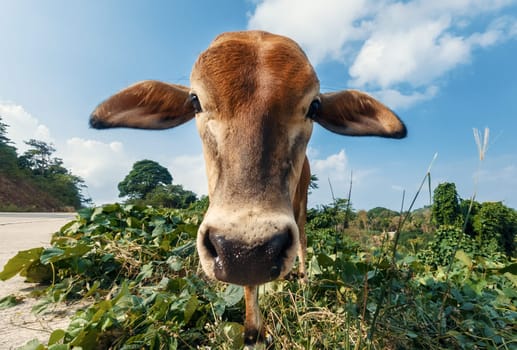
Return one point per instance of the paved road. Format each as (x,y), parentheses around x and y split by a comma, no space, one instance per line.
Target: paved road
(21,231)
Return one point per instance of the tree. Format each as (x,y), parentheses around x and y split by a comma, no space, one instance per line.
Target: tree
(382,219)
(469,210)
(497,223)
(145,176)
(313,184)
(8,156)
(170,196)
(446,206)
(38,158)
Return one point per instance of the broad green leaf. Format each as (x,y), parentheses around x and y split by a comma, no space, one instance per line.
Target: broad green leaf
(464,258)
(20,262)
(37,273)
(8,301)
(190,308)
(324,260)
(33,345)
(56,336)
(233,331)
(232,294)
(110,208)
(512,268)
(411,334)
(59,347)
(54,254)
(468,306)
(175,263)
(191,229)
(145,272)
(512,278)
(85,213)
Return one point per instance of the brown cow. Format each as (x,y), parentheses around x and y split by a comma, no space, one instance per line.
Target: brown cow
(255,98)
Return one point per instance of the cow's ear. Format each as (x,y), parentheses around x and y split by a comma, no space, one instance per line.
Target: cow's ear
(355,113)
(145,105)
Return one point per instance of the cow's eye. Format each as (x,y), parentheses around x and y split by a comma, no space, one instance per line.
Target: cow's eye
(313,110)
(194,100)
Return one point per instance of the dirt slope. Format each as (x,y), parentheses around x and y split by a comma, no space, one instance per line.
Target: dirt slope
(21,195)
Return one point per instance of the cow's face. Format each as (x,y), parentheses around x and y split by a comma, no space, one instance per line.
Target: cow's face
(254,96)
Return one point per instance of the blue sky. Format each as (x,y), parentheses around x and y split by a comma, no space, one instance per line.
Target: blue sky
(445,67)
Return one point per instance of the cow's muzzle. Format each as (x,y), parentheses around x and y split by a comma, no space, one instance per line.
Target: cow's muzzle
(239,263)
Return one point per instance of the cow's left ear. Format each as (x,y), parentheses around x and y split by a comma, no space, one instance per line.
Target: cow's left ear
(355,113)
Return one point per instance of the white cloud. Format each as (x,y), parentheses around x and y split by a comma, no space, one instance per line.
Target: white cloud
(189,171)
(418,42)
(333,168)
(322,28)
(397,100)
(101,165)
(22,125)
(390,43)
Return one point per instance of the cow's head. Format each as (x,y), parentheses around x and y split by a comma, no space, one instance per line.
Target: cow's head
(255,98)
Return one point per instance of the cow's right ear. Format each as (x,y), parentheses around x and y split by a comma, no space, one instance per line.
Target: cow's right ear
(145,105)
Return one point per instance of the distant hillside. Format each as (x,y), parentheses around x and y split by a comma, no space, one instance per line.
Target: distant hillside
(35,180)
(20,194)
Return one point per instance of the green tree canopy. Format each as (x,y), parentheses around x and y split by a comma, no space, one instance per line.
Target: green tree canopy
(170,196)
(496,222)
(8,156)
(145,176)
(446,205)
(38,157)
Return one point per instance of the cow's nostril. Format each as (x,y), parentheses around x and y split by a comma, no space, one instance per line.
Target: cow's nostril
(275,271)
(209,245)
(279,245)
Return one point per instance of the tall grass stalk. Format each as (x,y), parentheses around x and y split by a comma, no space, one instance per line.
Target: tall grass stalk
(482,147)
(387,286)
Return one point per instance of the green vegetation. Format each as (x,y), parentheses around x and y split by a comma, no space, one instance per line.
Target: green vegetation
(149,183)
(138,270)
(440,277)
(36,180)
(145,176)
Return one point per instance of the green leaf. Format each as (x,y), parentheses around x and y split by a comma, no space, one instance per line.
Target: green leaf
(468,306)
(232,294)
(233,331)
(20,262)
(145,272)
(59,347)
(324,260)
(190,229)
(56,336)
(512,278)
(110,208)
(8,301)
(34,344)
(464,258)
(512,268)
(411,334)
(190,308)
(93,289)
(54,254)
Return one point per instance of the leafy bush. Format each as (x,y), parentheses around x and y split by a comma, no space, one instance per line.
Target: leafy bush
(138,269)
